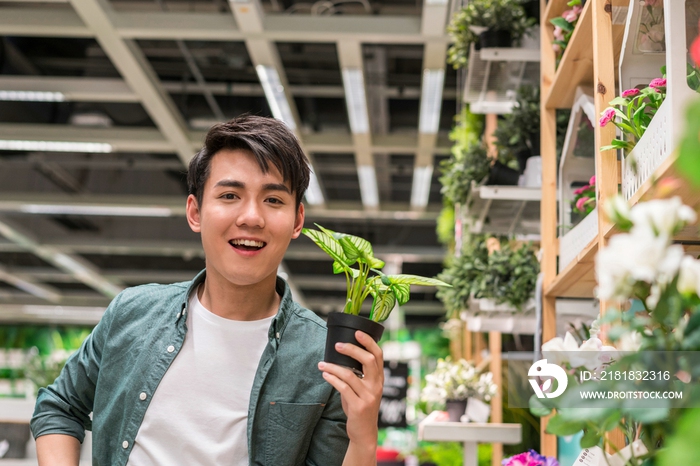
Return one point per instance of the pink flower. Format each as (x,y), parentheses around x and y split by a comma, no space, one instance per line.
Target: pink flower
(592,181)
(695,51)
(652,3)
(558,33)
(578,9)
(570,15)
(658,83)
(521,459)
(581,203)
(581,190)
(608,115)
(556,48)
(630,93)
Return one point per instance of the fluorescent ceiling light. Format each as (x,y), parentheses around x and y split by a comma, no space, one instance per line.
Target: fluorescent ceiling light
(117,211)
(274,93)
(84,273)
(368,185)
(314,194)
(420,191)
(431,101)
(32,96)
(55,146)
(355,99)
(436,2)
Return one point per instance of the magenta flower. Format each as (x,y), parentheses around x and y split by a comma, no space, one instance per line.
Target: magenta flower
(658,83)
(581,190)
(521,459)
(570,15)
(581,202)
(608,115)
(630,93)
(592,181)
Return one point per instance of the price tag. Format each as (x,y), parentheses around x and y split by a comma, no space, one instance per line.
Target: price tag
(590,457)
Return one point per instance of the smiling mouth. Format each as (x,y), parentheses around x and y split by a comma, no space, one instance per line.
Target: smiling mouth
(247,244)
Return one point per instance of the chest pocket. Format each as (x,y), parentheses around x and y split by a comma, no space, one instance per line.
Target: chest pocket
(290,427)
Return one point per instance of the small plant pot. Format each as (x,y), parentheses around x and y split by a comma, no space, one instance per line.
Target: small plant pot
(455,409)
(502,175)
(342,328)
(532,9)
(495,38)
(522,156)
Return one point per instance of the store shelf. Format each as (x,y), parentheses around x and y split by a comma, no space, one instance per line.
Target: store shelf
(495,74)
(503,210)
(523,324)
(577,280)
(576,66)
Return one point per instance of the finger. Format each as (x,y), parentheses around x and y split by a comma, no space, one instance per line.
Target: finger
(371,346)
(344,374)
(345,390)
(367,359)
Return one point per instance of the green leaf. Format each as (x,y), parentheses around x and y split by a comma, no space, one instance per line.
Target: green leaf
(338,267)
(416,280)
(376,263)
(560,426)
(562,23)
(590,439)
(618,101)
(356,247)
(382,305)
(328,244)
(538,408)
(402,292)
(688,163)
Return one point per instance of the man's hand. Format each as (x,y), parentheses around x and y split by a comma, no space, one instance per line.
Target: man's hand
(360,396)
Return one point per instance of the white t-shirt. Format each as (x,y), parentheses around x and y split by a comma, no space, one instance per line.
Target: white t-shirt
(199,412)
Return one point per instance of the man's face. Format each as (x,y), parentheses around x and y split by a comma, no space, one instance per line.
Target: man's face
(247,218)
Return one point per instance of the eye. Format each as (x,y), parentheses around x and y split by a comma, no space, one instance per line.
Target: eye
(274,200)
(228,196)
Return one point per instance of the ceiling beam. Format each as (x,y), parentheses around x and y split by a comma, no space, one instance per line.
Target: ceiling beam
(128,58)
(116,90)
(352,68)
(30,285)
(434,58)
(75,265)
(57,21)
(172,206)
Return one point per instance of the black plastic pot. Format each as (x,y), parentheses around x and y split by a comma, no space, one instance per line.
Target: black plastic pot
(495,38)
(455,409)
(502,175)
(522,155)
(342,328)
(532,9)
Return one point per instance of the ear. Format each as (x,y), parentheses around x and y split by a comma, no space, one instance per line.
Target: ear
(193,214)
(299,221)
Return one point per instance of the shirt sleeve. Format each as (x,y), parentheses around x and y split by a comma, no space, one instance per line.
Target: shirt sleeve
(64,407)
(329,442)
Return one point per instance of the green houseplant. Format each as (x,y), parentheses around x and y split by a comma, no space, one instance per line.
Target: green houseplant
(463,273)
(364,280)
(489,23)
(519,131)
(470,164)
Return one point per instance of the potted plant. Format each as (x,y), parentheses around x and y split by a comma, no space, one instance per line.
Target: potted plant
(463,273)
(471,164)
(584,199)
(487,23)
(519,131)
(509,279)
(365,280)
(453,383)
(530,458)
(564,27)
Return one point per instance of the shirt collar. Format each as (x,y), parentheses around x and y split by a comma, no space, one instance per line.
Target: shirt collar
(287,304)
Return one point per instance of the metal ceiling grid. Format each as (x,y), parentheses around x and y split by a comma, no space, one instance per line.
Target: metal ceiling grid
(106,220)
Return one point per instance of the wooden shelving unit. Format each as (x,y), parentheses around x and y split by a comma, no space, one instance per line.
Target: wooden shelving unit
(591,59)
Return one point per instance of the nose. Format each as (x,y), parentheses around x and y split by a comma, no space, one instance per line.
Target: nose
(251,215)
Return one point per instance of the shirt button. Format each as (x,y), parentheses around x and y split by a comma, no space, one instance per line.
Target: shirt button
(125,444)
(178,315)
(143,396)
(171,348)
(277,335)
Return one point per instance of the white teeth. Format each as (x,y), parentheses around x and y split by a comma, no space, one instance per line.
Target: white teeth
(248,242)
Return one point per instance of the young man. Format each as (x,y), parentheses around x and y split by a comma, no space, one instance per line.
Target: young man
(225,369)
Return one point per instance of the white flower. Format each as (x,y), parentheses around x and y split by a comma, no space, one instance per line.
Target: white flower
(617,210)
(689,276)
(594,331)
(635,257)
(630,341)
(457,380)
(558,350)
(662,216)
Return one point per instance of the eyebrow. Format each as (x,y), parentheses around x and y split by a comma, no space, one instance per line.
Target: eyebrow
(241,185)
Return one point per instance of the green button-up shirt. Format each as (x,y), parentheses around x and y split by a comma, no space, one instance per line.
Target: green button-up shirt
(294,416)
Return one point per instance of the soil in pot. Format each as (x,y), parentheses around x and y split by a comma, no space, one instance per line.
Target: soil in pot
(342,328)
(455,409)
(495,38)
(502,175)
